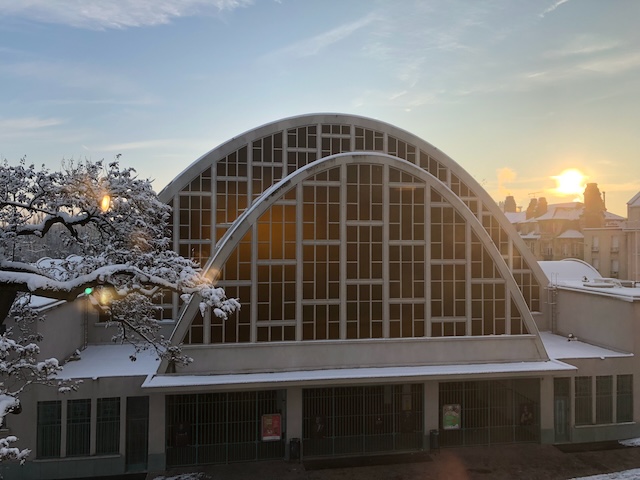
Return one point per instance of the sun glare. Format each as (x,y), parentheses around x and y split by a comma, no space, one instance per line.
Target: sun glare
(570,182)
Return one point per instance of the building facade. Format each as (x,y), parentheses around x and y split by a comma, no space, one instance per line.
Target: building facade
(385,297)
(557,231)
(615,250)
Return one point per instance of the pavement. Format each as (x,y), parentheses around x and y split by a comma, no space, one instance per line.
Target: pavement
(501,462)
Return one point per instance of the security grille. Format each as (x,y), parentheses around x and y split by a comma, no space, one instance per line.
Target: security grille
(49,429)
(108,426)
(583,401)
(78,427)
(624,401)
(220,427)
(490,412)
(358,420)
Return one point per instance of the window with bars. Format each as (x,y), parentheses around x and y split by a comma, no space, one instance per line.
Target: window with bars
(108,426)
(362,419)
(78,427)
(583,401)
(624,398)
(603,396)
(49,429)
(604,399)
(491,412)
(221,427)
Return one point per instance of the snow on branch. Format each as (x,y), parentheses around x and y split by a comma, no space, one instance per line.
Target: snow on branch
(102,229)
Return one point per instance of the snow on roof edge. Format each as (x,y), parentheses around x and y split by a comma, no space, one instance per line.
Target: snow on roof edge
(302,376)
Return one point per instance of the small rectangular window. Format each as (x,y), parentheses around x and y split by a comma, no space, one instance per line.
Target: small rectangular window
(49,429)
(108,426)
(78,427)
(604,399)
(624,398)
(583,401)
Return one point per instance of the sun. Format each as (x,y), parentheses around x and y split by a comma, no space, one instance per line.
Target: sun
(570,182)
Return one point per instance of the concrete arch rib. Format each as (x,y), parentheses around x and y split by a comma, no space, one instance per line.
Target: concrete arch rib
(244,222)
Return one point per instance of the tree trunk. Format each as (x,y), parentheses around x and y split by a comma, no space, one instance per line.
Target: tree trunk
(7,297)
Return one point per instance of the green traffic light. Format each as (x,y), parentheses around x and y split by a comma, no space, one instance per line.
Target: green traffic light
(88,291)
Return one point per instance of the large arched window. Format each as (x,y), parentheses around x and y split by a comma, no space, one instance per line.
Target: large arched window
(392,245)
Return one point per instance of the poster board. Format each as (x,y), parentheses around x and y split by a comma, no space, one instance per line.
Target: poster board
(451,417)
(271,427)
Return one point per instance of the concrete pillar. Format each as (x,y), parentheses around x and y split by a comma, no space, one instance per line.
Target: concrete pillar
(294,416)
(156,455)
(431,410)
(547,432)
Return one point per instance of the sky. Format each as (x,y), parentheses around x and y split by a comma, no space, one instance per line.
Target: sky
(515,91)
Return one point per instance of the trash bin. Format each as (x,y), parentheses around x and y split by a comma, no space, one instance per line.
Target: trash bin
(294,449)
(434,441)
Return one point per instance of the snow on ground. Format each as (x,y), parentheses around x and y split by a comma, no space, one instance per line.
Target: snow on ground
(632,442)
(625,475)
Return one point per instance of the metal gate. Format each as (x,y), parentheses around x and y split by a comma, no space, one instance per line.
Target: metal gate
(490,412)
(221,427)
(358,420)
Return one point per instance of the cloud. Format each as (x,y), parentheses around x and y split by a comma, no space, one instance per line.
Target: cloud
(100,14)
(78,78)
(28,123)
(138,145)
(584,45)
(613,65)
(553,7)
(314,45)
(27,127)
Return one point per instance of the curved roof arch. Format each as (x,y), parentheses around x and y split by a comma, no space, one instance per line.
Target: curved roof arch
(450,173)
(273,194)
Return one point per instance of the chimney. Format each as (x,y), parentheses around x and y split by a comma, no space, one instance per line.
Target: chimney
(593,214)
(510,204)
(542,207)
(531,209)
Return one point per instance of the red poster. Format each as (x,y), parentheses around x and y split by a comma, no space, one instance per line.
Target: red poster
(271,427)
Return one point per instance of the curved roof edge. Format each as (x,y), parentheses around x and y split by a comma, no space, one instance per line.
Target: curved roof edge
(282,124)
(568,269)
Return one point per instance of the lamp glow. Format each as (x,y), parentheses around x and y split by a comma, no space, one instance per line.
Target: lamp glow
(105,204)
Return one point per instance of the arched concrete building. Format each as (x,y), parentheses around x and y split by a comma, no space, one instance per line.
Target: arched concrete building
(384,297)
(370,268)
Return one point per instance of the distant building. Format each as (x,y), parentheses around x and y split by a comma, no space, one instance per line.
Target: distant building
(614,249)
(556,231)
